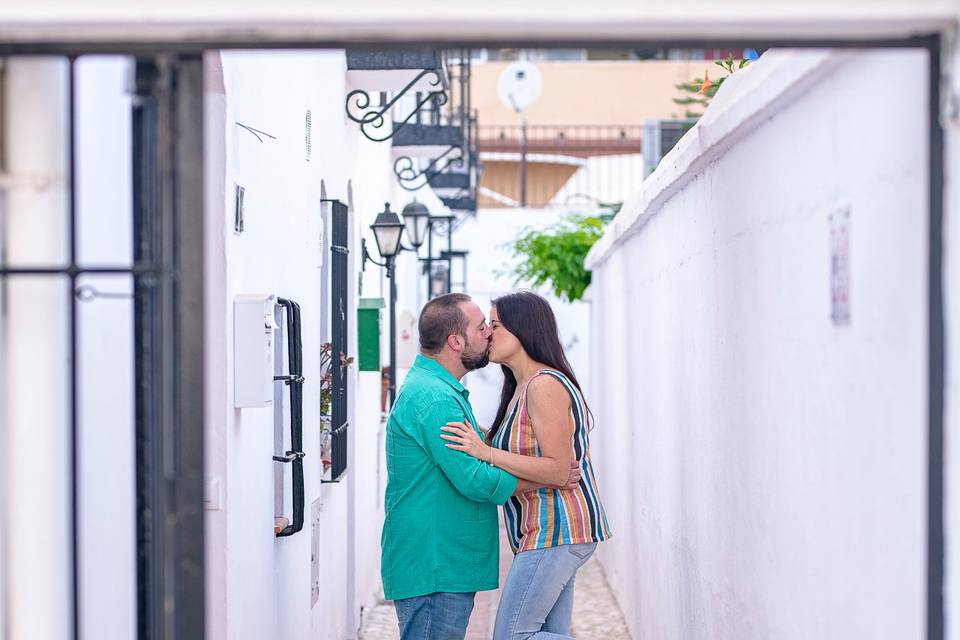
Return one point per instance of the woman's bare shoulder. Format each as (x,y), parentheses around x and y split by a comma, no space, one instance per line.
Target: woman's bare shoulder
(547,390)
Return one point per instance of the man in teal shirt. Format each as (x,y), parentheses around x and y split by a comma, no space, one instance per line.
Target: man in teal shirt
(440,538)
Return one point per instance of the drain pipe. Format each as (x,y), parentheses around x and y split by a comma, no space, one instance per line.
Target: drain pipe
(35,530)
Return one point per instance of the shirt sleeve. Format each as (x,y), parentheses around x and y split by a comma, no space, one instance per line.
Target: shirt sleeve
(473,478)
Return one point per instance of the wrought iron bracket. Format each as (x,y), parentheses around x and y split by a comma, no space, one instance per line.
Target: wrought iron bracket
(373,118)
(413,179)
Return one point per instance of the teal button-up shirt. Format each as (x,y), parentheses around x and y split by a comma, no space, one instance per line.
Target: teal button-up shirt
(440,533)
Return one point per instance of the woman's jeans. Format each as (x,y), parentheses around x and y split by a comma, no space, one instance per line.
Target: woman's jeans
(437,616)
(537,599)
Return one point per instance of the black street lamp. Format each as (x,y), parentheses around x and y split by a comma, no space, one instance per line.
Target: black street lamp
(388,232)
(461,255)
(416,217)
(446,222)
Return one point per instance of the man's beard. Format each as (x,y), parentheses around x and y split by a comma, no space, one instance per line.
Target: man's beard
(475,359)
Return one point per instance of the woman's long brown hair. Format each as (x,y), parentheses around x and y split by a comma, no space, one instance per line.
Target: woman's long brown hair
(529,317)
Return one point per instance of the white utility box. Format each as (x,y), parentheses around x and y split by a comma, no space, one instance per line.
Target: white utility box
(253,337)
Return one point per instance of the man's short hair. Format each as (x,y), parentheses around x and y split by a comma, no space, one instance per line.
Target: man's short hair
(442,317)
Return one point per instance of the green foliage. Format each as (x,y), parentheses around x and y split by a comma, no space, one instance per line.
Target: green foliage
(555,255)
(700,96)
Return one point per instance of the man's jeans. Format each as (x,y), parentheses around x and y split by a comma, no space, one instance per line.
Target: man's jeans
(437,616)
(537,600)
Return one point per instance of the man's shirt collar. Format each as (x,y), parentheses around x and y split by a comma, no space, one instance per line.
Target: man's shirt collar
(434,368)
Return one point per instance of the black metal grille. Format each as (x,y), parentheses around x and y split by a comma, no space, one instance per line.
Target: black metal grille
(338,328)
(168,307)
(294,379)
(168,298)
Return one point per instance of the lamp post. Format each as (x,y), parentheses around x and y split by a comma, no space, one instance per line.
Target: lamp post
(446,222)
(416,218)
(388,232)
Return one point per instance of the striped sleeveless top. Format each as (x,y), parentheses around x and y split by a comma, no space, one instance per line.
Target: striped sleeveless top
(552,517)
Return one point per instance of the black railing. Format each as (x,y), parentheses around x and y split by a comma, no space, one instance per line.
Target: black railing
(569,165)
(581,140)
(294,380)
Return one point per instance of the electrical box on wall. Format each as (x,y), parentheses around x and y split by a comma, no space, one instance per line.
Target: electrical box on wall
(253,336)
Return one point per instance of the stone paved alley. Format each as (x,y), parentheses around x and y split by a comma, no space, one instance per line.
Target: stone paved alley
(596,615)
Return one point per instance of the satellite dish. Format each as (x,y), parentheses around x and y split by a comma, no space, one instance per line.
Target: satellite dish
(519,85)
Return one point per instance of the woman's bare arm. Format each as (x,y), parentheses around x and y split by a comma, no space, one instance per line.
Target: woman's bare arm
(548,404)
(573,480)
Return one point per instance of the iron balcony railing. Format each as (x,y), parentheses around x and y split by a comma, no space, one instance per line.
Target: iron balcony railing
(580,140)
(570,165)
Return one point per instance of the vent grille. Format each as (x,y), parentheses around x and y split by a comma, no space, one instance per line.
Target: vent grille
(238,211)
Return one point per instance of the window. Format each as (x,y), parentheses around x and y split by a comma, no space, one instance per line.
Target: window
(339,315)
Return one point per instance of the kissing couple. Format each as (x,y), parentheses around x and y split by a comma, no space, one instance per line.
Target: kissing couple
(445,476)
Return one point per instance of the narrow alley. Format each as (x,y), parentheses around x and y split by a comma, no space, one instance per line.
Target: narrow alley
(693,269)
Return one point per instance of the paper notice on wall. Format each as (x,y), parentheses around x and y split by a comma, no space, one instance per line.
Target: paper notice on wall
(840,265)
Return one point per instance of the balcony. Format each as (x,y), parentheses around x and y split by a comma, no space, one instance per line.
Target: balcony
(581,141)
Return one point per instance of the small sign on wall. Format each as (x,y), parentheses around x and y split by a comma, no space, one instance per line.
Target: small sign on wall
(840,265)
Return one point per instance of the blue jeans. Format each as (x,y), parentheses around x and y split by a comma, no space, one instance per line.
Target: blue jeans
(537,599)
(436,616)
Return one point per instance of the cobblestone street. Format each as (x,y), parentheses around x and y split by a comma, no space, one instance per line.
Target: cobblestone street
(596,615)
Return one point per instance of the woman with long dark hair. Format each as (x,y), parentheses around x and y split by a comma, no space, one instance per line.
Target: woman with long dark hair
(542,425)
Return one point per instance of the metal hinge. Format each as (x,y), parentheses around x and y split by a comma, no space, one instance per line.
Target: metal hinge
(290,457)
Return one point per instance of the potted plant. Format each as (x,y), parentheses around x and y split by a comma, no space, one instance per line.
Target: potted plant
(326,396)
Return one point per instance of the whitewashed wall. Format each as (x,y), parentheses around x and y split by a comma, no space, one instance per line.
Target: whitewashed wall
(765,470)
(258,585)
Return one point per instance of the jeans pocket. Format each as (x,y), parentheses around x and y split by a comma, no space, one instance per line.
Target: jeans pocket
(582,551)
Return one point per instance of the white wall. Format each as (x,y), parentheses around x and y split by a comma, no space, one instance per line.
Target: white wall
(764,471)
(259,586)
(370,473)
